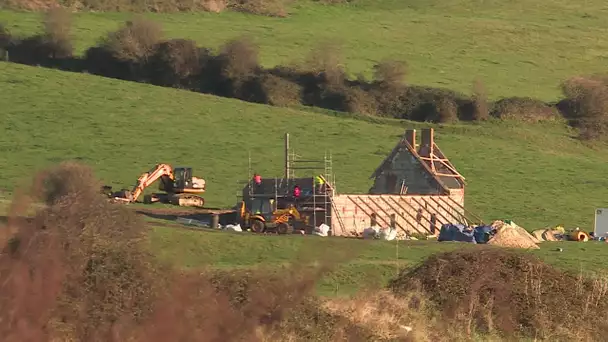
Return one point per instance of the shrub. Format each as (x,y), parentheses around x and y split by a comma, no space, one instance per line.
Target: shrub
(100,61)
(272,8)
(325,61)
(523,108)
(134,42)
(232,72)
(430,104)
(47,49)
(279,91)
(357,100)
(5,37)
(176,63)
(480,102)
(126,52)
(80,268)
(587,105)
(215,6)
(390,74)
(518,295)
(57,28)
(239,58)
(588,97)
(447,111)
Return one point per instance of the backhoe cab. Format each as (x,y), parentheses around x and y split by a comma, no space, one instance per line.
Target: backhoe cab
(263,216)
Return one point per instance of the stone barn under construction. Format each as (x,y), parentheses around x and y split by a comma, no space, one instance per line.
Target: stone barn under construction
(416,189)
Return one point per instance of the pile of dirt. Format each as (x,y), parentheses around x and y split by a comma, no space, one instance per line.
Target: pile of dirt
(512,235)
(495,290)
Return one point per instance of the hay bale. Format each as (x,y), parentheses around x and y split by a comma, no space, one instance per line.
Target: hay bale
(511,235)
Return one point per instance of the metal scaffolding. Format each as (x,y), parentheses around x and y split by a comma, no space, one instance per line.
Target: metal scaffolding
(311,168)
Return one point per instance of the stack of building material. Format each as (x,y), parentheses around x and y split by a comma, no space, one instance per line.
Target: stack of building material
(548,234)
(509,234)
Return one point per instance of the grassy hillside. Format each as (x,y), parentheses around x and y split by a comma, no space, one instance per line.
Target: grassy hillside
(356,263)
(522,48)
(534,174)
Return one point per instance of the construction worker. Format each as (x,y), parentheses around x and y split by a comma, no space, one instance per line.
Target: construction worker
(319,184)
(257,183)
(296,194)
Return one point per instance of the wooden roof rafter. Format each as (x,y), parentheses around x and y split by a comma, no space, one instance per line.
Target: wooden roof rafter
(440,156)
(426,166)
(436,159)
(433,160)
(429,155)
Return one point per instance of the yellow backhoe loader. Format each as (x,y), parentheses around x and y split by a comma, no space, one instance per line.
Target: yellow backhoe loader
(262,216)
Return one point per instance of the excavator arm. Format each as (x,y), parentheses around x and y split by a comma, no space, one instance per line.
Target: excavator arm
(146,179)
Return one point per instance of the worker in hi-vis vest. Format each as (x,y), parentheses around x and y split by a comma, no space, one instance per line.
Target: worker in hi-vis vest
(319,183)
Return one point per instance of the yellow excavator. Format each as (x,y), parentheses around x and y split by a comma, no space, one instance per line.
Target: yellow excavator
(262,216)
(179,186)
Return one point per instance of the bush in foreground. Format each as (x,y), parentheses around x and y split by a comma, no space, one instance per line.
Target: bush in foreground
(493,290)
(81,270)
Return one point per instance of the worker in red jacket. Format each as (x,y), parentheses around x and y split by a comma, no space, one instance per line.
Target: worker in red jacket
(296,194)
(257,183)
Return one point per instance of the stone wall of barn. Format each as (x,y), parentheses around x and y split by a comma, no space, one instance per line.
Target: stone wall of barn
(405,168)
(351,214)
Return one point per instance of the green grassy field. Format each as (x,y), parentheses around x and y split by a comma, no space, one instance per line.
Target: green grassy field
(523,48)
(356,263)
(534,174)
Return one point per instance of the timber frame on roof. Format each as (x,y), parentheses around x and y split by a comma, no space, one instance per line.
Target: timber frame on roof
(430,156)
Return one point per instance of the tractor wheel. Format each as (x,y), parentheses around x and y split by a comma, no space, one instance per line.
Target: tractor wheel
(257,226)
(285,228)
(147,199)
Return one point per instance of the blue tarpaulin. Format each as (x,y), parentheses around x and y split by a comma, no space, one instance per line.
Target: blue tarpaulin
(456,232)
(462,233)
(483,233)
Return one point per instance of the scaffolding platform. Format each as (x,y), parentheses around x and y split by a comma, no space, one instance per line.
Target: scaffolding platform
(315,204)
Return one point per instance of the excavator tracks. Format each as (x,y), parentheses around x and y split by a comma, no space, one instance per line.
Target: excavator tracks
(182,200)
(187,200)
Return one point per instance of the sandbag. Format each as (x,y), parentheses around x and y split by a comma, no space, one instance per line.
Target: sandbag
(321,230)
(388,234)
(233,228)
(371,232)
